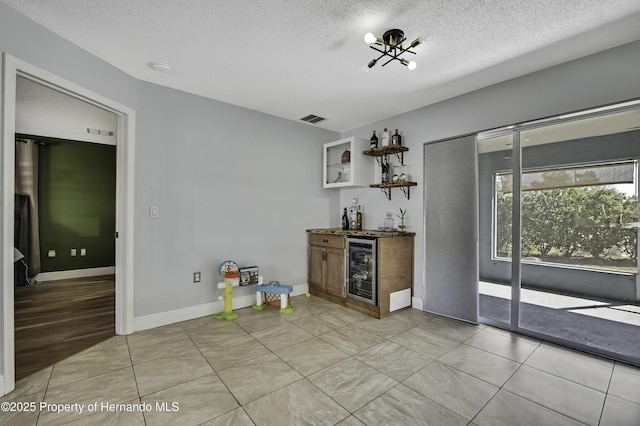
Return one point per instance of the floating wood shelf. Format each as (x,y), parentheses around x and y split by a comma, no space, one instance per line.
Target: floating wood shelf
(386,188)
(383,151)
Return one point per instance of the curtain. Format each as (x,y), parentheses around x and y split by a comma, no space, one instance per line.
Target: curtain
(21,238)
(26,183)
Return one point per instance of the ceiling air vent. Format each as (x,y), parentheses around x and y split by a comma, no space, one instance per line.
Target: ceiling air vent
(312,119)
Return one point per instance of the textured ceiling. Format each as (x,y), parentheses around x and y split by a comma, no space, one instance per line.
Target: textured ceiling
(292,58)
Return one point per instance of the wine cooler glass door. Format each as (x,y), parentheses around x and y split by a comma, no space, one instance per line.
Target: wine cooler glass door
(362,269)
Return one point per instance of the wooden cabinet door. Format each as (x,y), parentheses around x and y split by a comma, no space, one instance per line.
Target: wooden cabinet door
(334,278)
(316,266)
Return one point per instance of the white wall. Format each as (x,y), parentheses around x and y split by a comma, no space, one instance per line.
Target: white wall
(607,77)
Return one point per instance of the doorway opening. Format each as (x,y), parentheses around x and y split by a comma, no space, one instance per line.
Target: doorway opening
(125,131)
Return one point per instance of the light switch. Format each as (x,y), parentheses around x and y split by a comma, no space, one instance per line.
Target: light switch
(154,212)
(83,252)
(73,252)
(51,253)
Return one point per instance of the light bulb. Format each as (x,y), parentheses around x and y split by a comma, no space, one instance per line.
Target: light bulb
(369,38)
(412,65)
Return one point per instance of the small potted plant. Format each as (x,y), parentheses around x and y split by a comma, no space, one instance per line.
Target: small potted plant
(402,225)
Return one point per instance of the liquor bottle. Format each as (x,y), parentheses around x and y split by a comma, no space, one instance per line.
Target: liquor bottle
(359,219)
(374,141)
(385,172)
(345,220)
(353,214)
(385,137)
(396,139)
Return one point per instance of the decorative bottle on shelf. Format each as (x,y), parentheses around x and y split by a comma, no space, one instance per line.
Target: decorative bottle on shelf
(345,220)
(346,156)
(385,137)
(359,218)
(396,139)
(353,214)
(374,141)
(385,172)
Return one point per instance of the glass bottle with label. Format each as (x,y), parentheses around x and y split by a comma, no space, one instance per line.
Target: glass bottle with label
(345,220)
(385,137)
(396,139)
(353,214)
(374,141)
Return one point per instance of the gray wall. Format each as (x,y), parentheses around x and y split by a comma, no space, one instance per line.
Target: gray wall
(181,138)
(603,78)
(231,183)
(573,281)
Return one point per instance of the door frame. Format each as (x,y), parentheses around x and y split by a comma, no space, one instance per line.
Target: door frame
(125,167)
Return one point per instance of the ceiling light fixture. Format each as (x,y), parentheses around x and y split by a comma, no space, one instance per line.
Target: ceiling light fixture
(391,43)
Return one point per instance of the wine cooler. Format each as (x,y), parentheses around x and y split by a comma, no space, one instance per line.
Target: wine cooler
(362,269)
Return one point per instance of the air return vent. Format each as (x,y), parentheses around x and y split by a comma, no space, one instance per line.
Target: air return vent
(312,119)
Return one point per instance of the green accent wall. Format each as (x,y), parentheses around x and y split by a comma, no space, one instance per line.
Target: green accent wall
(77,204)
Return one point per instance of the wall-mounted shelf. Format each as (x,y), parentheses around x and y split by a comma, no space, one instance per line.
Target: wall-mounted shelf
(338,173)
(382,153)
(386,188)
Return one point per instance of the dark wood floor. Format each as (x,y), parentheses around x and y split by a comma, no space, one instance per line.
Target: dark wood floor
(56,319)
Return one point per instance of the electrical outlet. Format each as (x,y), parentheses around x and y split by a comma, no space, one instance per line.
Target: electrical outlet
(51,253)
(73,252)
(196,277)
(83,252)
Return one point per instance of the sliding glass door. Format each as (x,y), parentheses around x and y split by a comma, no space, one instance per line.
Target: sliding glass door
(495,214)
(572,191)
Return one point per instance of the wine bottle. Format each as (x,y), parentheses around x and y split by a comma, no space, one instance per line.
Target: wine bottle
(353,214)
(385,137)
(385,172)
(396,139)
(374,141)
(345,220)
(359,219)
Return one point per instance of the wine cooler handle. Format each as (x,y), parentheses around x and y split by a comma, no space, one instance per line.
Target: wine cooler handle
(325,241)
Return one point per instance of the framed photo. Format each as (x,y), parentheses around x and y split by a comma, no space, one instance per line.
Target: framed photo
(249,275)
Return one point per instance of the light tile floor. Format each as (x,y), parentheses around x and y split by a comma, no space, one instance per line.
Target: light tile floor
(327,365)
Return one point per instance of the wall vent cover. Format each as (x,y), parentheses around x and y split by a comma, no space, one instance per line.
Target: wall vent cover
(313,119)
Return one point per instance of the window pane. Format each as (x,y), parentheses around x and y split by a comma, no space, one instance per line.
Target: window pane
(584,217)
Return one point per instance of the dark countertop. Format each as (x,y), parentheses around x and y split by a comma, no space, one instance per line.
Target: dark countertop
(363,233)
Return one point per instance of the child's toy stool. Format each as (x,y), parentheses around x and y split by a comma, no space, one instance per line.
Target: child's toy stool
(272,290)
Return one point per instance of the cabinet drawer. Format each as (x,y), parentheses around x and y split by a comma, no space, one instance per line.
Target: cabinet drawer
(329,241)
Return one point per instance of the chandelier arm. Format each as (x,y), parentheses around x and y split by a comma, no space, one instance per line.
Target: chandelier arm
(406,51)
(383,54)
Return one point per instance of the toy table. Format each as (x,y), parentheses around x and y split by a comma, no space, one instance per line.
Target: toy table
(273,289)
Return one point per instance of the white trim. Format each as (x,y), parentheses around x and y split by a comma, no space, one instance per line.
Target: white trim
(417,303)
(125,163)
(185,314)
(7,121)
(75,273)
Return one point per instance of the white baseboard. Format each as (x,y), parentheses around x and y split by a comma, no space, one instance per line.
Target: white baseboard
(417,303)
(171,317)
(75,273)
